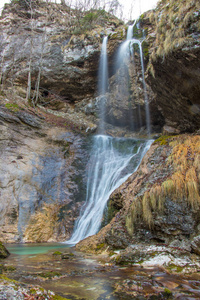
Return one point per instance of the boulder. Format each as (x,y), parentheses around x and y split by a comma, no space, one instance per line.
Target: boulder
(3,251)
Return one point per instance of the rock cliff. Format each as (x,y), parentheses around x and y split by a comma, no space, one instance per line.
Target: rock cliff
(41,174)
(173,70)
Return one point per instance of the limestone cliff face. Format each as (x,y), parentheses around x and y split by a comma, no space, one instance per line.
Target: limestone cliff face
(39,177)
(173,71)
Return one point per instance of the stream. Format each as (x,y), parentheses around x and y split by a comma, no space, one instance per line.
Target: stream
(76,275)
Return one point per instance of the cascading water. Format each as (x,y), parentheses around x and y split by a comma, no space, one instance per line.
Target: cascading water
(111,162)
(125,53)
(103,83)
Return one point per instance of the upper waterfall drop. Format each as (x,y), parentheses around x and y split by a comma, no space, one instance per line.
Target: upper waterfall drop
(103,83)
(129,35)
(126,61)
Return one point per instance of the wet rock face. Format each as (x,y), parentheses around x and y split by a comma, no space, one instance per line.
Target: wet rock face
(177,89)
(37,169)
(125,101)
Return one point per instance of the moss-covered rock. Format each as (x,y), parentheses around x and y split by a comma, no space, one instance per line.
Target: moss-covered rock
(3,251)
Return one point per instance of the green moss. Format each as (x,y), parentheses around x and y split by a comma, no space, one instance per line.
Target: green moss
(145,49)
(3,277)
(120,261)
(3,251)
(110,212)
(10,268)
(33,291)
(174,268)
(141,17)
(118,35)
(167,294)
(163,140)
(57,253)
(57,297)
(67,255)
(49,274)
(12,106)
(100,246)
(167,291)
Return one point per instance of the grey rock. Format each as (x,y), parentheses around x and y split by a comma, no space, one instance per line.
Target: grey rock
(29,119)
(196,245)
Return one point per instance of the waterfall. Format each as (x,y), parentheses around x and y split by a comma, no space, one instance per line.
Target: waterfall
(103,83)
(129,35)
(112,160)
(146,100)
(125,53)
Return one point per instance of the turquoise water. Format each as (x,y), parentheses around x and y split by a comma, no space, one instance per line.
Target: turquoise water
(40,248)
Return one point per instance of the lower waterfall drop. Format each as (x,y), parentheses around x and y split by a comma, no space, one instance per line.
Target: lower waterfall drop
(112,161)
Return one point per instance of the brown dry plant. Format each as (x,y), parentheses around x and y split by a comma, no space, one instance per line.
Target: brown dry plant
(182,185)
(43,224)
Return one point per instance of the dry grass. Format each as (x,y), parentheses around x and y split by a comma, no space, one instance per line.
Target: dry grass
(182,185)
(42,225)
(172,20)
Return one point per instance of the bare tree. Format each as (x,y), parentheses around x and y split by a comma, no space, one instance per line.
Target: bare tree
(28,93)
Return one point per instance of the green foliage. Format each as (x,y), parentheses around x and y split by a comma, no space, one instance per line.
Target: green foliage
(89,17)
(90,20)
